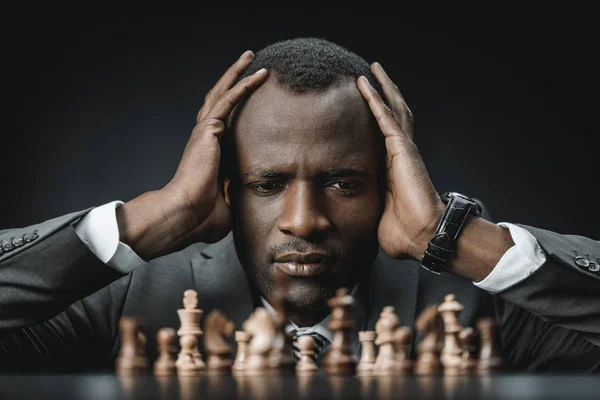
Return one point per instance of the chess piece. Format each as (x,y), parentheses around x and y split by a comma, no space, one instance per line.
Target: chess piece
(451,355)
(339,359)
(428,350)
(385,363)
(281,358)
(468,361)
(167,348)
(217,349)
(262,334)
(306,364)
(367,353)
(132,356)
(402,338)
(490,355)
(189,361)
(242,338)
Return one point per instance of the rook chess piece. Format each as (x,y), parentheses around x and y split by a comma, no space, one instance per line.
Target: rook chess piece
(428,351)
(339,359)
(189,361)
(218,351)
(306,364)
(490,354)
(242,338)
(367,353)
(451,352)
(262,334)
(167,348)
(132,356)
(385,363)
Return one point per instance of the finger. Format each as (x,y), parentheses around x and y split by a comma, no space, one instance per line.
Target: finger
(233,96)
(394,98)
(383,114)
(225,83)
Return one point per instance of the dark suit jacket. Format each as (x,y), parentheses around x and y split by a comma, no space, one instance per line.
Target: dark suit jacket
(60,305)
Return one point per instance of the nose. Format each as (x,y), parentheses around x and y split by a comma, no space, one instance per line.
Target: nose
(303,213)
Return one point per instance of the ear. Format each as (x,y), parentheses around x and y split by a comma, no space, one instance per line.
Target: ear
(226,183)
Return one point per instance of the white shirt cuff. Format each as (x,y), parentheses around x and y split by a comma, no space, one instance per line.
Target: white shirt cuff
(519,262)
(99,230)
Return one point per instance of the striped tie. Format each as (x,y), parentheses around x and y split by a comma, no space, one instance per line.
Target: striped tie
(320,343)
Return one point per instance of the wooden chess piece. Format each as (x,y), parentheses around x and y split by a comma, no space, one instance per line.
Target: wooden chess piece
(189,361)
(307,363)
(242,338)
(490,354)
(339,359)
(451,355)
(429,323)
(217,349)
(132,358)
(385,363)
(167,348)
(281,359)
(402,338)
(468,361)
(262,334)
(367,353)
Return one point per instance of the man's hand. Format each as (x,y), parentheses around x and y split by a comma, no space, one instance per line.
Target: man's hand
(412,206)
(191,207)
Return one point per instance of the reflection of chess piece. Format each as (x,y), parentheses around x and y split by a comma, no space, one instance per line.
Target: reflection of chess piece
(189,361)
(451,352)
(468,361)
(262,332)
(490,355)
(367,353)
(402,339)
(217,349)
(306,364)
(385,363)
(428,359)
(167,347)
(339,360)
(132,356)
(242,338)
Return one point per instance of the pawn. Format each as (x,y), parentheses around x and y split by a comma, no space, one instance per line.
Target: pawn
(451,352)
(429,323)
(367,353)
(216,327)
(132,356)
(490,355)
(385,363)
(307,363)
(242,338)
(402,338)
(468,361)
(167,348)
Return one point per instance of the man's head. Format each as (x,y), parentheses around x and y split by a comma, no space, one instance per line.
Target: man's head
(305,164)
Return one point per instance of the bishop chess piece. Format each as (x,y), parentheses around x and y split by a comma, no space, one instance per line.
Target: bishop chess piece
(429,323)
(189,361)
(402,338)
(218,351)
(490,353)
(242,338)
(385,363)
(451,356)
(166,338)
(307,363)
(281,359)
(467,342)
(367,353)
(132,358)
(262,333)
(339,359)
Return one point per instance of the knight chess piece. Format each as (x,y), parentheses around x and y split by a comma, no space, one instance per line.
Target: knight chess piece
(402,338)
(132,358)
(367,353)
(451,356)
(490,354)
(339,359)
(218,351)
(262,333)
(189,361)
(166,338)
(468,360)
(429,323)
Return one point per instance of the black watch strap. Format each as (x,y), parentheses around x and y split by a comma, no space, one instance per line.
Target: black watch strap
(441,246)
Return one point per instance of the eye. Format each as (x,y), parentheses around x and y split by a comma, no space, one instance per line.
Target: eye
(345,187)
(266,187)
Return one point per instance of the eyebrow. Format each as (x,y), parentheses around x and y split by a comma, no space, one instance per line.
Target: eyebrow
(329,173)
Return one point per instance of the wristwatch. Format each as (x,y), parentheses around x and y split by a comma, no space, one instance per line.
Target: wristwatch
(442,245)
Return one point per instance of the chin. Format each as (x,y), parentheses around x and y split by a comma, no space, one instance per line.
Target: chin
(305,294)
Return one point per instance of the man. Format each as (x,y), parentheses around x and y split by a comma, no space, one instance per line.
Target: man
(318,177)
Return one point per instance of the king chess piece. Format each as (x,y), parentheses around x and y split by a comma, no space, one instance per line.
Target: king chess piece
(189,361)
(339,359)
(385,363)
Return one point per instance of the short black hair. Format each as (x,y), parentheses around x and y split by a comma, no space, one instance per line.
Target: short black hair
(310,64)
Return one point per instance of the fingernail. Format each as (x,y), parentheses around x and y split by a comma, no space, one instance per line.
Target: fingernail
(366,80)
(260,71)
(247,53)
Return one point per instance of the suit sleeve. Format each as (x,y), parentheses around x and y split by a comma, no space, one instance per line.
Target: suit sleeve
(565,290)
(44,269)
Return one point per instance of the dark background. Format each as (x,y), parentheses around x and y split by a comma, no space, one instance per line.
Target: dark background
(98,104)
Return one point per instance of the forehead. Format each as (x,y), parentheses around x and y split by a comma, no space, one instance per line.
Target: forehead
(278,127)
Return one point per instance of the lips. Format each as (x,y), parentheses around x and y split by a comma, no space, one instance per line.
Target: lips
(303,264)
